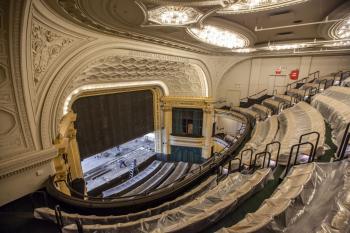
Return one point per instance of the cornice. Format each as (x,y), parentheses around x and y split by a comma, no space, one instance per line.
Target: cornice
(26,161)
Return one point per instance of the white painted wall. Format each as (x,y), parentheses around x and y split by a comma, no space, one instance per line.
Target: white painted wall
(253,75)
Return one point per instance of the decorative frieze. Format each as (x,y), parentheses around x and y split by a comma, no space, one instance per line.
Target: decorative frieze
(46,46)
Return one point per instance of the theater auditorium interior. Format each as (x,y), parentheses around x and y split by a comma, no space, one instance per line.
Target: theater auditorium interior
(134,116)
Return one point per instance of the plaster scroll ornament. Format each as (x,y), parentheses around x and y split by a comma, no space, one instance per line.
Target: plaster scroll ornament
(46,46)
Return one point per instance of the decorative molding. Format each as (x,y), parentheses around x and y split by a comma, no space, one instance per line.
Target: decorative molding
(26,162)
(47,45)
(18,138)
(73,9)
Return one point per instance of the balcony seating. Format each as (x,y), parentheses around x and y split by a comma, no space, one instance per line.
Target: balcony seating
(154,181)
(287,129)
(68,218)
(251,114)
(334,105)
(277,102)
(346,83)
(180,170)
(264,133)
(275,207)
(294,122)
(263,111)
(134,181)
(314,197)
(195,215)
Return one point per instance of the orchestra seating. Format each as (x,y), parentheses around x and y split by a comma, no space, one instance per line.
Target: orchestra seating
(134,181)
(334,105)
(314,197)
(194,215)
(106,176)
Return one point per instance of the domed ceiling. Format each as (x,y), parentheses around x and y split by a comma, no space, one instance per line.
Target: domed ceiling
(217,26)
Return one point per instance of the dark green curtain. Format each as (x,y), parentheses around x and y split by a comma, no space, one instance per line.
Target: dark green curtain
(186,154)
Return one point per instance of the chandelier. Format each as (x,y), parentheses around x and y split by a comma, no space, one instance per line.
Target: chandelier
(246,6)
(219,37)
(173,15)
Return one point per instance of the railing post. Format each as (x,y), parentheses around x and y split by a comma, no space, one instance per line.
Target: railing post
(58,215)
(296,155)
(344,142)
(278,151)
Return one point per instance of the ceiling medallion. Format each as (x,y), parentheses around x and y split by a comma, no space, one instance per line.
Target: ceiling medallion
(218,36)
(174,15)
(247,6)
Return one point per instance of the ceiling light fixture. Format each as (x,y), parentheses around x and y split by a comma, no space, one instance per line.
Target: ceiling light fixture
(244,50)
(286,46)
(343,29)
(220,37)
(247,6)
(174,15)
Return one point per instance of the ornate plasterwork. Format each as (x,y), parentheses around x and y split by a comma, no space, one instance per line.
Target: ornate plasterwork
(15,136)
(46,46)
(74,10)
(181,78)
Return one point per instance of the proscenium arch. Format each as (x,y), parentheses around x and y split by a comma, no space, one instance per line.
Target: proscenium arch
(111,87)
(64,76)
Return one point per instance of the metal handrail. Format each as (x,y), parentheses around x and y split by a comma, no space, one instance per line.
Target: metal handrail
(253,95)
(278,151)
(59,219)
(251,155)
(344,142)
(258,155)
(296,155)
(317,141)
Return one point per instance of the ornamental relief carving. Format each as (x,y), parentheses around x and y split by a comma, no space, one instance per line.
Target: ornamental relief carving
(181,78)
(46,46)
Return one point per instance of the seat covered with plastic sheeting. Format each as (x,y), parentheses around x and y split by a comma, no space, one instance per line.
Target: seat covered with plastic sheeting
(334,105)
(153,181)
(195,215)
(69,218)
(180,170)
(346,83)
(316,200)
(274,209)
(299,92)
(134,181)
(264,133)
(251,114)
(294,122)
(276,103)
(263,111)
(285,98)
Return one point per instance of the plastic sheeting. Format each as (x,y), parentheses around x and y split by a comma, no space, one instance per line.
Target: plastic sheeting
(334,105)
(294,122)
(287,129)
(346,82)
(312,198)
(127,185)
(195,215)
(68,218)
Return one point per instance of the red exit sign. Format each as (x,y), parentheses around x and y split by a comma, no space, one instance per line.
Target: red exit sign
(294,74)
